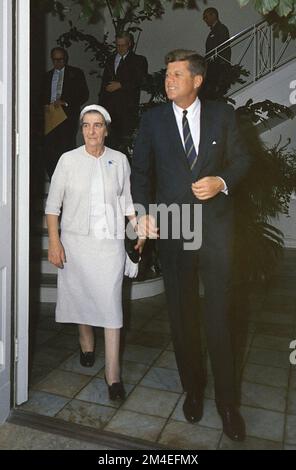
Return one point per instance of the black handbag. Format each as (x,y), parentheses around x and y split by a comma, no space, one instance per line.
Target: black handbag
(133,254)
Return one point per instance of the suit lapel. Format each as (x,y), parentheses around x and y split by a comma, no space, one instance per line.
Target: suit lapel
(65,81)
(205,126)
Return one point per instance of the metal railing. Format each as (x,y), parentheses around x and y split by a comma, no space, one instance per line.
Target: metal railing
(257,50)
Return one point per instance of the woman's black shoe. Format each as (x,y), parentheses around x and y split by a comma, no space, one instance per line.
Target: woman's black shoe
(116,390)
(87,359)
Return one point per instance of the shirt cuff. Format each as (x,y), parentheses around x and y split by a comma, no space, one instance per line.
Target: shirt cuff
(225,189)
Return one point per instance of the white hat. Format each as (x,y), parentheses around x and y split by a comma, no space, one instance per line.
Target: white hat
(96,107)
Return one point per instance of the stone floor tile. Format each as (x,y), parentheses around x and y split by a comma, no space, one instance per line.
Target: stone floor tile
(50,357)
(163,379)
(86,414)
(290,436)
(149,339)
(15,437)
(62,341)
(264,424)
(152,402)
(269,358)
(292,401)
(45,404)
(73,365)
(266,375)
(189,436)
(63,383)
(136,425)
(271,342)
(167,360)
(251,443)
(210,418)
(131,372)
(96,391)
(137,353)
(263,396)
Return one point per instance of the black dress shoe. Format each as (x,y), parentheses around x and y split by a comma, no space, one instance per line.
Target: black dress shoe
(233,423)
(87,359)
(116,390)
(193,407)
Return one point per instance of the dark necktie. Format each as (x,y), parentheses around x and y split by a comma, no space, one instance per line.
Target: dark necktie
(119,64)
(188,141)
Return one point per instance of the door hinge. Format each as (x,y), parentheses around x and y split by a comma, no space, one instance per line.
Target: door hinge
(16,350)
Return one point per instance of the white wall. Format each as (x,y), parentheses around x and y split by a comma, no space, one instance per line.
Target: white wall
(176,29)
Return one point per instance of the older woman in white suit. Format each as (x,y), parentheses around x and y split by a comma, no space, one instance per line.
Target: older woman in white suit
(91,184)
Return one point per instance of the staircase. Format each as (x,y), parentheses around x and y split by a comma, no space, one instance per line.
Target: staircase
(258,51)
(271,64)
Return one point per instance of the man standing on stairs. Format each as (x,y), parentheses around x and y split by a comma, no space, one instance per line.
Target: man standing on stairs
(198,157)
(65,87)
(123,76)
(220,60)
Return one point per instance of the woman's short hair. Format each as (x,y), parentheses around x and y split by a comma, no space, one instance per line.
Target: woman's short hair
(197,63)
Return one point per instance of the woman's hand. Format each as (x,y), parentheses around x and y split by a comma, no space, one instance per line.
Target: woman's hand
(56,253)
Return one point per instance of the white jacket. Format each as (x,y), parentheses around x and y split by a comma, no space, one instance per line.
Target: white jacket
(71,184)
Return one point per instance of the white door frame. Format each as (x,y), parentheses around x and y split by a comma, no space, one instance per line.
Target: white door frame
(5,204)
(22,199)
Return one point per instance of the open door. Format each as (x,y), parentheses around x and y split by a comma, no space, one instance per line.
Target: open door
(22,200)
(5,204)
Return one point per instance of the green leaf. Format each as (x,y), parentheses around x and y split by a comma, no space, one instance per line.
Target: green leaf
(285,7)
(292,20)
(243,3)
(265,6)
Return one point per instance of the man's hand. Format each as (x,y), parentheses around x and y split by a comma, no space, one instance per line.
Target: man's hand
(207,187)
(58,103)
(146,228)
(113,86)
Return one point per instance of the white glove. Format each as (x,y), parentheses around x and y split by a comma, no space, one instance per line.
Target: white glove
(130,269)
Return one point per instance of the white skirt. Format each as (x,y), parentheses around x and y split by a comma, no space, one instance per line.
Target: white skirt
(90,285)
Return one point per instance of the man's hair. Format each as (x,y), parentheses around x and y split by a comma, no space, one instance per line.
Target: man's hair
(124,35)
(197,63)
(60,49)
(212,11)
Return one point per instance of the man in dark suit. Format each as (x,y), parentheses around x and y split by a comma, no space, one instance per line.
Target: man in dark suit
(195,150)
(121,85)
(64,86)
(219,59)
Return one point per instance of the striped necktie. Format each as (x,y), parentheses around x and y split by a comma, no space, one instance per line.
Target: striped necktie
(188,141)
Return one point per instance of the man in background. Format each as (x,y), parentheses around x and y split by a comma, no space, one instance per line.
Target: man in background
(121,86)
(65,86)
(218,59)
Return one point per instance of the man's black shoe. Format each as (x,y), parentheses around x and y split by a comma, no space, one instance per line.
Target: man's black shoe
(233,423)
(193,407)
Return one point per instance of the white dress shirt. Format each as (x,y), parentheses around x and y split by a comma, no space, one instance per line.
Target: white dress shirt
(57,84)
(193,117)
(98,220)
(118,58)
